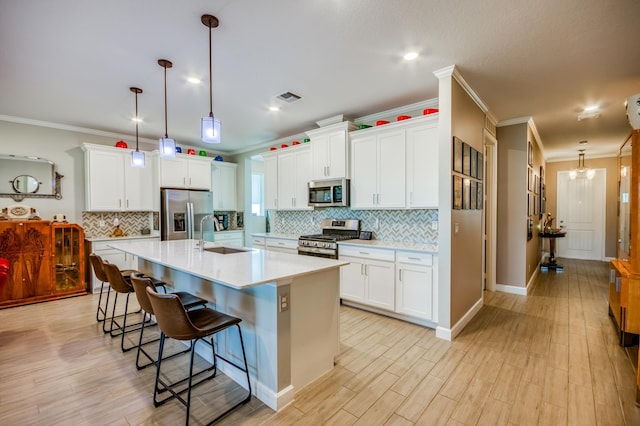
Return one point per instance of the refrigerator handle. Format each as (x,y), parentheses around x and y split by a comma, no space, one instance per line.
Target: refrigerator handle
(190,221)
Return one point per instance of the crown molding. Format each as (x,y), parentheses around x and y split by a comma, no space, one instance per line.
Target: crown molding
(512,121)
(418,106)
(58,126)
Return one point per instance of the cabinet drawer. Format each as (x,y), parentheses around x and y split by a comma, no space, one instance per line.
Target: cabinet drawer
(226,236)
(367,253)
(258,241)
(414,258)
(282,243)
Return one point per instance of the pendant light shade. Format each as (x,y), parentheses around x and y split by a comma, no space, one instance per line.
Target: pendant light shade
(209,125)
(167,146)
(137,157)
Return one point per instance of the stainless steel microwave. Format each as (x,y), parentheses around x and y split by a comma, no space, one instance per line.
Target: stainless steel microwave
(329,193)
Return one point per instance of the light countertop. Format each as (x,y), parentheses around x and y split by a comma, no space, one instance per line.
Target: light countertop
(237,270)
(128,237)
(284,236)
(391,245)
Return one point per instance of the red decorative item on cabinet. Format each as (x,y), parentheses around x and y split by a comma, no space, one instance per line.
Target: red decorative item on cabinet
(191,151)
(4,271)
(121,144)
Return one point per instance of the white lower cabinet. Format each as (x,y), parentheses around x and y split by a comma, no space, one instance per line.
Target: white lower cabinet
(258,242)
(282,245)
(232,238)
(369,277)
(415,285)
(121,259)
(398,281)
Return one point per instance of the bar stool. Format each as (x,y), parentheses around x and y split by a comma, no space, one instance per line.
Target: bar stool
(98,268)
(188,300)
(120,286)
(96,263)
(178,323)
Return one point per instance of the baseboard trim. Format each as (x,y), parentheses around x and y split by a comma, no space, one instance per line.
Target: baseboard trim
(450,333)
(522,291)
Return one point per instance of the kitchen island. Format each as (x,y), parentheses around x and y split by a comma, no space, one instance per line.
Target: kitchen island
(289,306)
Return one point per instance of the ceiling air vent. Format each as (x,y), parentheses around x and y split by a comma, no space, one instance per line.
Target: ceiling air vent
(288,97)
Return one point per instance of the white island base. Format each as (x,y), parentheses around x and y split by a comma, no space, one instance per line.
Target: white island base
(290,327)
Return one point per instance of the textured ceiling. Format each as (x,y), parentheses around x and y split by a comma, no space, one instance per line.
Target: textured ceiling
(72,63)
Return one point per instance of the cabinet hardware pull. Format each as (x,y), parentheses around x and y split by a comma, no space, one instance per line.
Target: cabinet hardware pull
(618,280)
(400,274)
(127,203)
(119,203)
(414,258)
(612,275)
(373,199)
(362,269)
(364,252)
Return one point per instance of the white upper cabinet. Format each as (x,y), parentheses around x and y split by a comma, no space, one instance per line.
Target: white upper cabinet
(185,171)
(422,166)
(113,185)
(330,151)
(293,178)
(270,181)
(378,170)
(223,186)
(286,177)
(395,166)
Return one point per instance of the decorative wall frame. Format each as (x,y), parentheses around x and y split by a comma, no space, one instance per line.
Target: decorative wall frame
(457,193)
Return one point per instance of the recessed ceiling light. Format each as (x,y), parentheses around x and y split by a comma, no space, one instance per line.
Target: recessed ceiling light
(194,80)
(410,56)
(591,108)
(583,142)
(274,108)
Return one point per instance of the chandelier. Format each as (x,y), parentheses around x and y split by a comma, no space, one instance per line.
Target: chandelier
(581,170)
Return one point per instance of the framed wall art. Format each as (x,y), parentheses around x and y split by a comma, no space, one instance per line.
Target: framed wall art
(530,153)
(457,155)
(457,193)
(466,159)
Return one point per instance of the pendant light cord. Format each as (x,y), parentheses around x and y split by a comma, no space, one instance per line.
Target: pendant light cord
(166,132)
(137,119)
(210,73)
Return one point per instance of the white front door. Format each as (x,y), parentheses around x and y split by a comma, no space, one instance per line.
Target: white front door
(581,204)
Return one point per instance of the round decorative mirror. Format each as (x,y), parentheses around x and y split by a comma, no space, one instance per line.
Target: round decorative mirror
(25,184)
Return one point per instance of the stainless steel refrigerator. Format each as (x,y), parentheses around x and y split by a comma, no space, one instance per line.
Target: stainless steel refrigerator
(181,213)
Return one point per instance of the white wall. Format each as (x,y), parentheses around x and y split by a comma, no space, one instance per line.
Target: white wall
(63,148)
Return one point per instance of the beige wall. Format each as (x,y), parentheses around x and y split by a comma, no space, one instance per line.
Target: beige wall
(611,166)
(518,257)
(467,122)
(512,205)
(534,245)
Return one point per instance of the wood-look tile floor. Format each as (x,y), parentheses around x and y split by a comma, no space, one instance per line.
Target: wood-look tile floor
(551,358)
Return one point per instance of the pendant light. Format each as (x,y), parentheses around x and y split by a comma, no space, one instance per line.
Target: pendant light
(210,126)
(167,146)
(581,170)
(137,157)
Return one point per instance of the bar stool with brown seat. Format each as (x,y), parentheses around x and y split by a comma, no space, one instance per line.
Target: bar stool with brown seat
(98,268)
(178,323)
(188,300)
(120,286)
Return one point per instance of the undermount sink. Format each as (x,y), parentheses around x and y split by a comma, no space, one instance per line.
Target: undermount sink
(225,250)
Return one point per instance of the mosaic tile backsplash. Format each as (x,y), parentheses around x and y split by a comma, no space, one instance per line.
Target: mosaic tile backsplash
(130,222)
(409,226)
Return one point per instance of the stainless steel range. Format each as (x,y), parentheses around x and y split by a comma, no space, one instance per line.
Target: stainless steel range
(326,244)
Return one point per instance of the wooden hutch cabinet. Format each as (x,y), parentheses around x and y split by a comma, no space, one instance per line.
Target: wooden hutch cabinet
(68,259)
(34,256)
